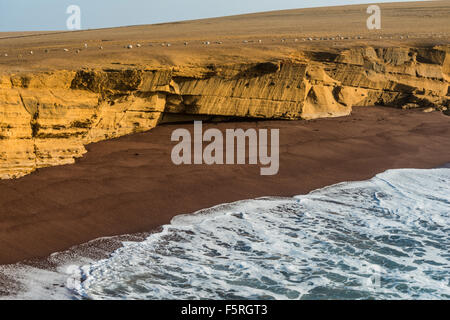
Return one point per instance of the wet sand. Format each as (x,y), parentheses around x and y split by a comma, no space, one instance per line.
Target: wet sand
(129,185)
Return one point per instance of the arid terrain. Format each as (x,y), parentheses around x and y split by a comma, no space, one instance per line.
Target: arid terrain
(63,93)
(419,23)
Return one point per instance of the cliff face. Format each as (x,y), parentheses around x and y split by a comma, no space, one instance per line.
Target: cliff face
(47,118)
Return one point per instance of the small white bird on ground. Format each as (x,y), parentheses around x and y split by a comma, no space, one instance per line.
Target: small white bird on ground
(66,50)
(129,46)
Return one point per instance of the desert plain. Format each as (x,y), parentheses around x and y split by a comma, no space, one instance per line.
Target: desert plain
(86,116)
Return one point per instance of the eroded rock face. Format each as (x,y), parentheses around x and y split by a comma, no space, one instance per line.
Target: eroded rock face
(46,119)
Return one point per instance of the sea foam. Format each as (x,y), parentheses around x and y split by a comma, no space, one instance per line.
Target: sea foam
(385,238)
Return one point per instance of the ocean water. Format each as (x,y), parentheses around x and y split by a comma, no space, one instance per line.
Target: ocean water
(384,238)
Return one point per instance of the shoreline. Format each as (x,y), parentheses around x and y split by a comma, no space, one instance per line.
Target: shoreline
(129,185)
(54,277)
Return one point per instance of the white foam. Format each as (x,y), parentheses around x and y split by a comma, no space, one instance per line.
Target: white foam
(387,237)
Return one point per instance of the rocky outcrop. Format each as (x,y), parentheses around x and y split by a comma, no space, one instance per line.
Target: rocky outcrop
(396,76)
(46,119)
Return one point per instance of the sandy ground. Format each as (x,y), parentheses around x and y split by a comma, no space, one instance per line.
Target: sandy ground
(419,23)
(130,185)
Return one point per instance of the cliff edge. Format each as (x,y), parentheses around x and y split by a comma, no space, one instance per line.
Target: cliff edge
(60,91)
(46,118)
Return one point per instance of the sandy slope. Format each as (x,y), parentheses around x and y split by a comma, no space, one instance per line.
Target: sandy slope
(423,22)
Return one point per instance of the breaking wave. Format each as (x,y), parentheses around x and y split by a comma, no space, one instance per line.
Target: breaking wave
(385,238)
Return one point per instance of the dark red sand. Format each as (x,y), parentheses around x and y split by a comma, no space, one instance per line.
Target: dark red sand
(130,185)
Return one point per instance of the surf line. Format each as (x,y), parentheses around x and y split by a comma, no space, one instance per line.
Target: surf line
(235,139)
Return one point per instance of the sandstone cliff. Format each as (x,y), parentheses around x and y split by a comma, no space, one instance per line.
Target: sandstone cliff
(46,119)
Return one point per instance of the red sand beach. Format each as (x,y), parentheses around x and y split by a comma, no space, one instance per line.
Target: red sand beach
(129,185)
